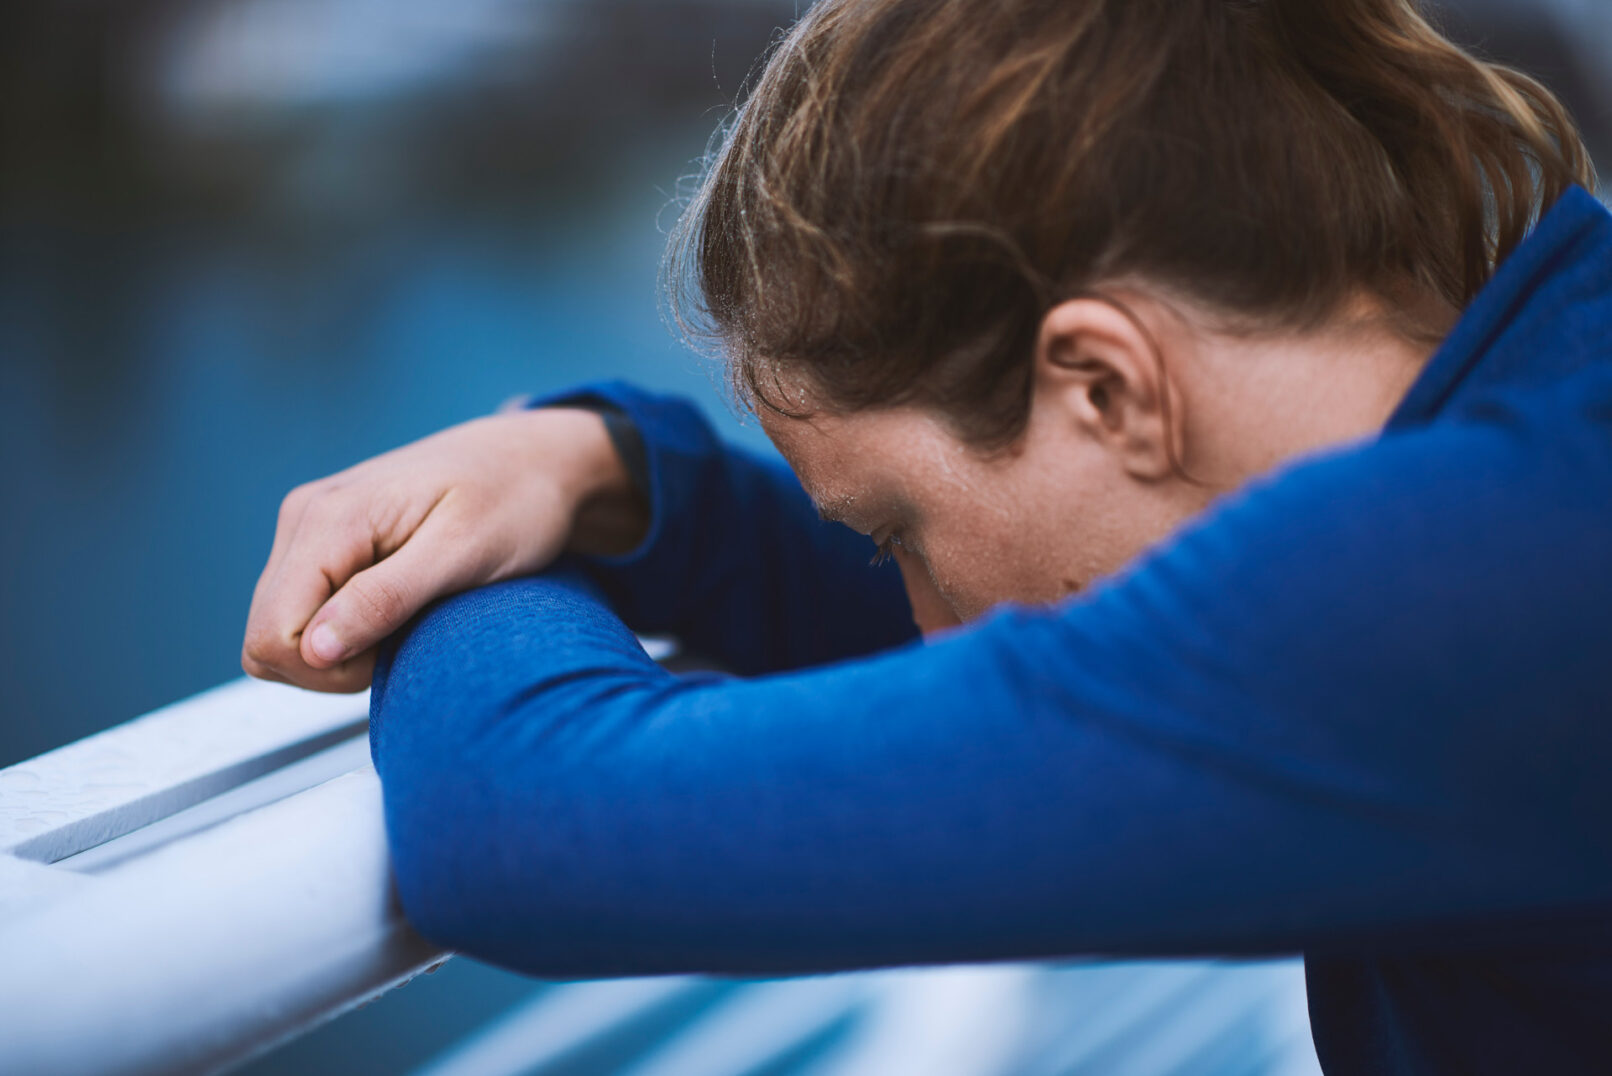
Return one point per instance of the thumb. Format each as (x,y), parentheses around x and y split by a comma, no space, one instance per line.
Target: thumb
(376,602)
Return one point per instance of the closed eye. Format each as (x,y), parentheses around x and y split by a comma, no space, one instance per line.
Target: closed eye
(886,549)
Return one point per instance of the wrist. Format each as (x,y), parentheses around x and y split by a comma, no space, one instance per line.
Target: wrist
(609,510)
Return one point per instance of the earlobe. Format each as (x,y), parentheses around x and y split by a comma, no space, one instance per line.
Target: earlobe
(1098,367)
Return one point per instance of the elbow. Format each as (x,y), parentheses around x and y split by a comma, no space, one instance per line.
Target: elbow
(434,819)
(470,878)
(495,812)
(423,808)
(462,829)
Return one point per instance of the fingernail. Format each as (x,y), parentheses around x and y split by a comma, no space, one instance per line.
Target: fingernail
(325,644)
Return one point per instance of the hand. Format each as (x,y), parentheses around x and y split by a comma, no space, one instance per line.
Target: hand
(358,553)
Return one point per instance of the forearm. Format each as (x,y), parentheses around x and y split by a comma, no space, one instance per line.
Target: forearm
(559,805)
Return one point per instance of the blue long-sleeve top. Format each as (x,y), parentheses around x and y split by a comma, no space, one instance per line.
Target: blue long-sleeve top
(1361,709)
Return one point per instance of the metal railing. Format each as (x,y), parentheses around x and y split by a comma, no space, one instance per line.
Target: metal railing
(181,892)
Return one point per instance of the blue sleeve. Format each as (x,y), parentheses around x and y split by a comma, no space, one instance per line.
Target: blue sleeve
(1363,703)
(737,564)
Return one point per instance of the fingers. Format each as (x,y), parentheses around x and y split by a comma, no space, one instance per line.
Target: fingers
(318,546)
(349,676)
(357,554)
(375,602)
(292,508)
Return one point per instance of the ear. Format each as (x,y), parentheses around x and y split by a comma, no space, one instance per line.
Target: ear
(1098,373)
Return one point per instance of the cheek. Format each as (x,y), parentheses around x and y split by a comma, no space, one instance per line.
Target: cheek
(976,566)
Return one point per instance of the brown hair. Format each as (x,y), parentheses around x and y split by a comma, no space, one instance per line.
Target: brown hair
(911,184)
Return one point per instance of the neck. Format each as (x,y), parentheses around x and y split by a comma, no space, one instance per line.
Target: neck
(1265,400)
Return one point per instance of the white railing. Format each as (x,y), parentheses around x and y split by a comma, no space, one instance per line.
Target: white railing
(182,892)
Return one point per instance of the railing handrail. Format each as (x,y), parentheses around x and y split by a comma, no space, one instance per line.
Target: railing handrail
(249,896)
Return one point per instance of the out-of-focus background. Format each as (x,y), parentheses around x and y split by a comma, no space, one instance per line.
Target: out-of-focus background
(247,243)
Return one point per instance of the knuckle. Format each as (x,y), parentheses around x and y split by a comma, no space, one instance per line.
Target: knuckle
(293,504)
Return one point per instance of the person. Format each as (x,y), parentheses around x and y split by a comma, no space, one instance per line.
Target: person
(1226,387)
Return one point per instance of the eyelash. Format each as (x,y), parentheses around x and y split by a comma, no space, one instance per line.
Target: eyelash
(883,553)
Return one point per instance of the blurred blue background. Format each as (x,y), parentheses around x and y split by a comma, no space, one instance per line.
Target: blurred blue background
(248,243)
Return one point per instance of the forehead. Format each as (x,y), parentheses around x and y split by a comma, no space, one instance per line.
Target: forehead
(844,460)
(821,448)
